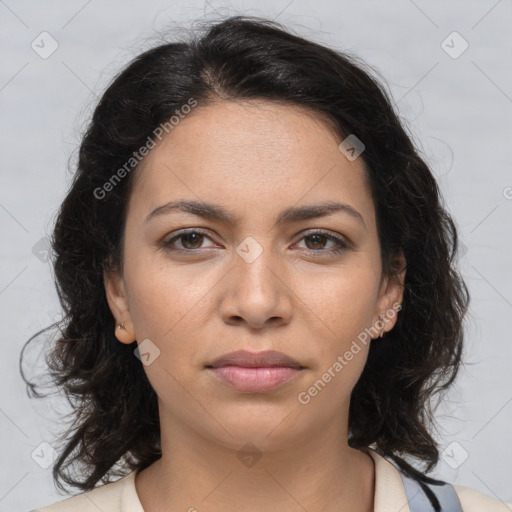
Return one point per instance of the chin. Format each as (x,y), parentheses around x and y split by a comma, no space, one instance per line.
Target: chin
(268,426)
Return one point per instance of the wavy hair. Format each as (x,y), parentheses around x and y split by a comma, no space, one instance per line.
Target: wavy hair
(115,427)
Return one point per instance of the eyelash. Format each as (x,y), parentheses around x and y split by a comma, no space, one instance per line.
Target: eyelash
(341,244)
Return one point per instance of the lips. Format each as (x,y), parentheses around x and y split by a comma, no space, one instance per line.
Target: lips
(255,372)
(246,359)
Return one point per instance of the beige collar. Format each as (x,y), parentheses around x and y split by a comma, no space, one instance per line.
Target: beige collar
(389,490)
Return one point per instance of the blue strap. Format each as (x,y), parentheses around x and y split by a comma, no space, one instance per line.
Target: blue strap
(419,502)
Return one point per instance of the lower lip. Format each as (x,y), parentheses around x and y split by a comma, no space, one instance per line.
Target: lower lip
(255,379)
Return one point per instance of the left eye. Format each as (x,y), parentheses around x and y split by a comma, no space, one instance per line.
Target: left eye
(315,242)
(320,239)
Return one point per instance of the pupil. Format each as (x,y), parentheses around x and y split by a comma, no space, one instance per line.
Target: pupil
(316,237)
(192,235)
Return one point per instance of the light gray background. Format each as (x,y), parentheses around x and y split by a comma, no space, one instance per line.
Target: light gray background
(458,108)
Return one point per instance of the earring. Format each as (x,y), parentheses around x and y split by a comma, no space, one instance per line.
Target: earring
(120,326)
(381,317)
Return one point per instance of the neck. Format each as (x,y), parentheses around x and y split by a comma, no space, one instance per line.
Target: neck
(318,473)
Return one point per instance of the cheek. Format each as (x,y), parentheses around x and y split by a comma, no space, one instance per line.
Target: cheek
(342,299)
(344,305)
(159,295)
(169,305)
(166,306)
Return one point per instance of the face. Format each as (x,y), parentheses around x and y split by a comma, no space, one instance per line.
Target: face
(197,287)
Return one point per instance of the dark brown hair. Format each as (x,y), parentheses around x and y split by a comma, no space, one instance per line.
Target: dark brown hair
(115,426)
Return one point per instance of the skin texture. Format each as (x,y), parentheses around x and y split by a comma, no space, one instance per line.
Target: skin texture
(255,159)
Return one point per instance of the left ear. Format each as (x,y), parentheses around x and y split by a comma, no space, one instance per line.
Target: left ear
(391,294)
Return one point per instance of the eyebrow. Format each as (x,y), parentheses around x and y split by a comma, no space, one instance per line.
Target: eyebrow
(288,216)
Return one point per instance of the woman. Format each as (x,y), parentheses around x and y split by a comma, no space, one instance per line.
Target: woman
(259,288)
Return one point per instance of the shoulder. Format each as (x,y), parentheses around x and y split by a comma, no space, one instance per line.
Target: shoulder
(390,492)
(105,497)
(472,500)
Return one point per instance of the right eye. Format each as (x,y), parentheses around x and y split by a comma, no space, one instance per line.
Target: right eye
(191,240)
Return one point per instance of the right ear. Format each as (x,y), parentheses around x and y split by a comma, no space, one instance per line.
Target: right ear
(117,299)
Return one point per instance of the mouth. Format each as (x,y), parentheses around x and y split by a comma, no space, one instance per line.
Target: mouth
(255,372)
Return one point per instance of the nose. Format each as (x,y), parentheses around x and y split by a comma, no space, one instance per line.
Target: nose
(258,293)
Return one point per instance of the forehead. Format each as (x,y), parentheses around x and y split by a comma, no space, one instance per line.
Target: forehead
(255,154)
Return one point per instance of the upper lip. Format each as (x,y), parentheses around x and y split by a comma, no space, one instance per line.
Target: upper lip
(255,360)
